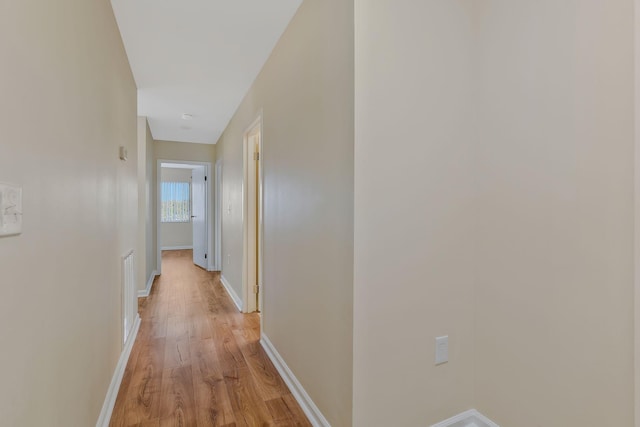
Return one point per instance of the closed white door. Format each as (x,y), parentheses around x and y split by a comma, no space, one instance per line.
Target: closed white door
(199,216)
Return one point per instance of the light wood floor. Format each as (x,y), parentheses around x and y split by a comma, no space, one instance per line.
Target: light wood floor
(197,361)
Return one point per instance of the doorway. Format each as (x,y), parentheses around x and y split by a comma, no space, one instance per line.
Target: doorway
(184,210)
(252,218)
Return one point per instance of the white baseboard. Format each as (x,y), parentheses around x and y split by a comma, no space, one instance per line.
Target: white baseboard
(116,380)
(236,299)
(310,409)
(176,248)
(147,291)
(213,267)
(470,418)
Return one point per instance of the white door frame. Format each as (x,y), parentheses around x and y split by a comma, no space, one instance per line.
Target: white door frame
(207,171)
(249,302)
(218,216)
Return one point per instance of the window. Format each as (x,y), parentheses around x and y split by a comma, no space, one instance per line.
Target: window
(176,202)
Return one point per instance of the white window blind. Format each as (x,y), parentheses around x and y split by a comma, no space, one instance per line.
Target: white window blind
(176,202)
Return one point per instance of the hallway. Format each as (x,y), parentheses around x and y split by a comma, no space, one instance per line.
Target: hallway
(197,361)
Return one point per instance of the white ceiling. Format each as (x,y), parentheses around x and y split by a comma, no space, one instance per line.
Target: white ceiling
(198,57)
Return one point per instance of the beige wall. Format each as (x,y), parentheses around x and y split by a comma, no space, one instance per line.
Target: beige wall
(306,93)
(146,205)
(151,236)
(508,226)
(414,216)
(637,216)
(555,292)
(176,234)
(176,175)
(68,101)
(185,151)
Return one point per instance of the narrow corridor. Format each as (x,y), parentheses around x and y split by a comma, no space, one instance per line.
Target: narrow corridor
(197,361)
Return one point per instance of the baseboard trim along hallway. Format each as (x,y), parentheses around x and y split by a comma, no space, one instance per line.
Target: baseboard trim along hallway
(114,387)
(299,393)
(234,297)
(147,291)
(197,361)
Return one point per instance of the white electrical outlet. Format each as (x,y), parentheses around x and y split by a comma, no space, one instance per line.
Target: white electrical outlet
(10,210)
(442,350)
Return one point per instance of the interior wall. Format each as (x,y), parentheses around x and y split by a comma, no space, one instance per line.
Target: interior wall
(68,101)
(637,217)
(305,93)
(151,203)
(555,286)
(185,151)
(414,211)
(176,234)
(146,264)
(517,234)
(147,231)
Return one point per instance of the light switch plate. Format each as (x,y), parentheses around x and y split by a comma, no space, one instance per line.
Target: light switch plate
(442,350)
(10,210)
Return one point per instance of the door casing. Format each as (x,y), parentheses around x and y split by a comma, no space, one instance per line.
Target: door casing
(253,243)
(207,171)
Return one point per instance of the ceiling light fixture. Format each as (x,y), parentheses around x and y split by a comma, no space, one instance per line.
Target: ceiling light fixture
(186,116)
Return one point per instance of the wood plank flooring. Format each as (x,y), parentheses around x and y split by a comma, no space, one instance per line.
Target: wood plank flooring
(197,361)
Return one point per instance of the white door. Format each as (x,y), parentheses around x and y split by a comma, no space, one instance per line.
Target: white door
(199,216)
